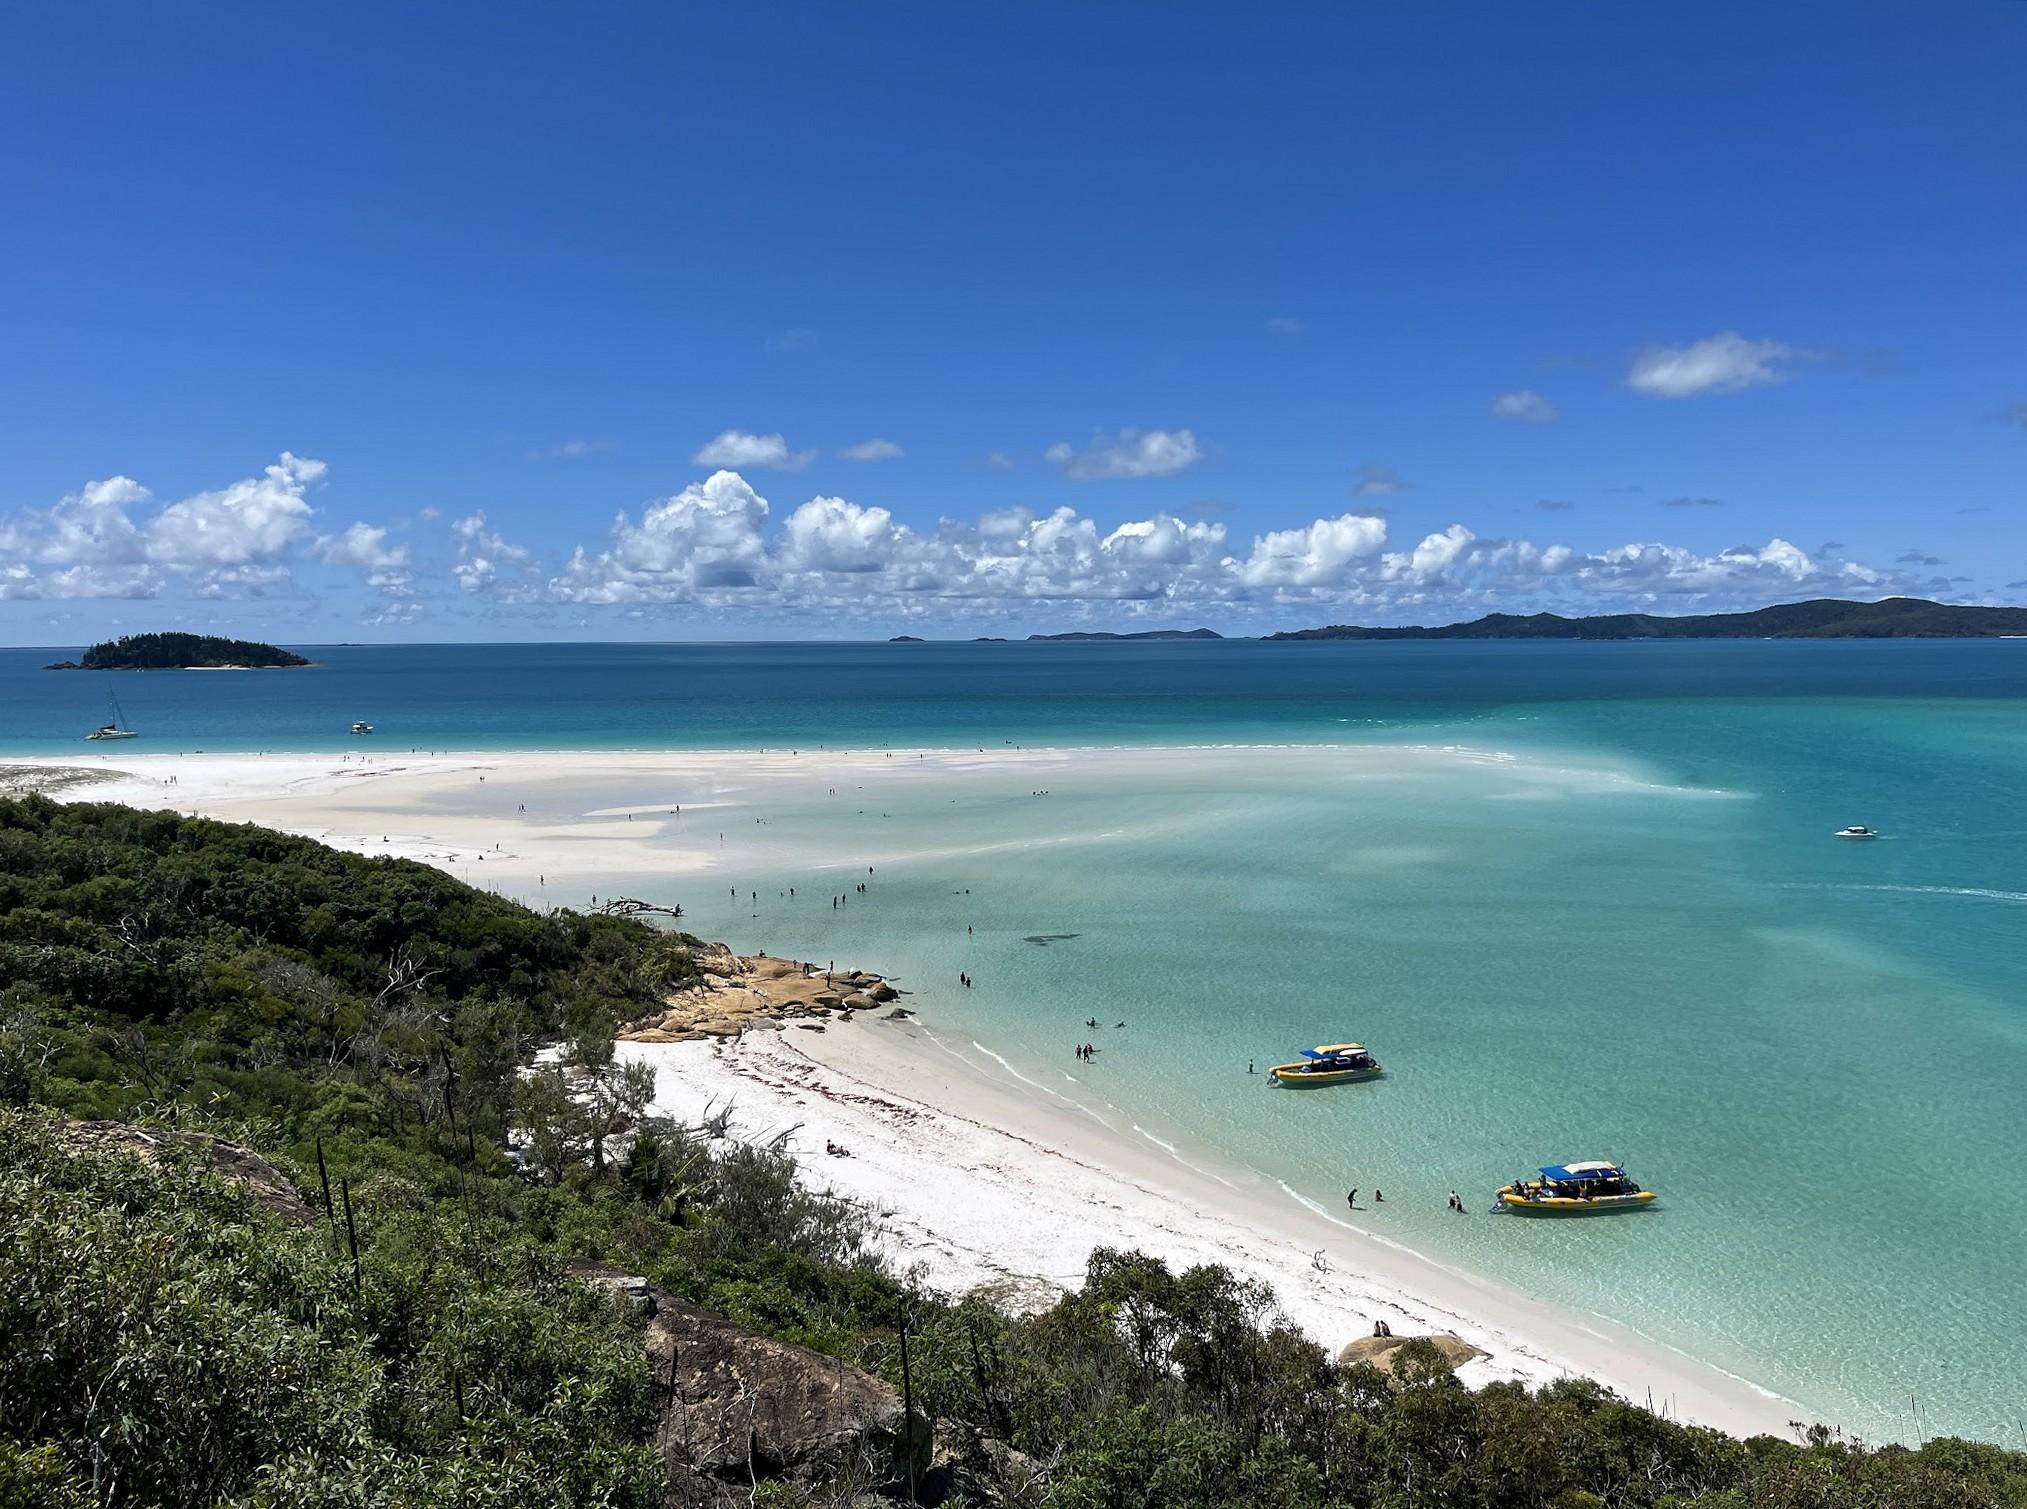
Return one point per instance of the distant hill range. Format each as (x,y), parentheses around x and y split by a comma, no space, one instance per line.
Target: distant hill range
(180,652)
(1819,618)
(1145,634)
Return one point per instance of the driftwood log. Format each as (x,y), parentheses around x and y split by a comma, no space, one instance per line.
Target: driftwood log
(628,906)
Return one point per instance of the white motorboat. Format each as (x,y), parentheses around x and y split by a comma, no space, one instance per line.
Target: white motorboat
(362,727)
(1857,830)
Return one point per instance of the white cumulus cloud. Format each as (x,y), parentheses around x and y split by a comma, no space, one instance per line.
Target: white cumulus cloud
(486,561)
(833,534)
(249,522)
(1130,453)
(1325,553)
(1525,405)
(1721,363)
(364,547)
(875,449)
(706,536)
(736,448)
(1376,481)
(227,541)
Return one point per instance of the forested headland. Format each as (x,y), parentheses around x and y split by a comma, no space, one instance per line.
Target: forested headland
(188,1318)
(1818,618)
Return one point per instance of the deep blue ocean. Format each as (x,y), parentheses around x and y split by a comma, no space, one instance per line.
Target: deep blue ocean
(763,695)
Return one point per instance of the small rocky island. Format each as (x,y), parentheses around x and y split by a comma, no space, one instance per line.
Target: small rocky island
(181,652)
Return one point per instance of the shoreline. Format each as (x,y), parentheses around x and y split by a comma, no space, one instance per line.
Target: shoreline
(981,1183)
(985,1179)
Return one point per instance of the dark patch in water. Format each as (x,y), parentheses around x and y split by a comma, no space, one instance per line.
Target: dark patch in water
(1045,939)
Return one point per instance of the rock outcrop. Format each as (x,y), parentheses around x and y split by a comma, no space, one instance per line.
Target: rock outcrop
(1380,1350)
(241,1165)
(631,1287)
(739,1408)
(738,993)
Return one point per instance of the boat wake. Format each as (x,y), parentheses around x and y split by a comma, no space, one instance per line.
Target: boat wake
(1976,893)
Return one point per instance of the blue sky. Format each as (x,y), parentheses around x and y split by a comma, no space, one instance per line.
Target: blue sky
(491,322)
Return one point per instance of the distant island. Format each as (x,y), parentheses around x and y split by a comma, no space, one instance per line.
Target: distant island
(1144,634)
(1819,618)
(906,639)
(180,652)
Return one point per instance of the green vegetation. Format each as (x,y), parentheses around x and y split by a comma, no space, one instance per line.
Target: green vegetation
(1820,618)
(171,652)
(169,1338)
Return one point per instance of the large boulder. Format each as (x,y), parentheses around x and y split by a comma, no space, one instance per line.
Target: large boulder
(629,1287)
(739,1407)
(1380,1350)
(240,1164)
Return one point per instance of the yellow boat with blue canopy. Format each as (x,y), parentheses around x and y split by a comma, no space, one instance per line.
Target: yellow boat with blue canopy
(1329,1064)
(1575,1189)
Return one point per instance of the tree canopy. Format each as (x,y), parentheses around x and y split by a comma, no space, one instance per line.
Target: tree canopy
(178,651)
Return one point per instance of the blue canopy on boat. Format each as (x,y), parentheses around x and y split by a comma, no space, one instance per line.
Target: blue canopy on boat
(1574,1173)
(1325,1057)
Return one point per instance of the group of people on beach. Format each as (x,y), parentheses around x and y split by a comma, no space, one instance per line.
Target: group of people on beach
(1086,1051)
(1378,1198)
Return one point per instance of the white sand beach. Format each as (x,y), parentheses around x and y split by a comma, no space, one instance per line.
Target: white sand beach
(984,1176)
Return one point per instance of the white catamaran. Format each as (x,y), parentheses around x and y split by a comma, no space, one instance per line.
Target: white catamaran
(117,729)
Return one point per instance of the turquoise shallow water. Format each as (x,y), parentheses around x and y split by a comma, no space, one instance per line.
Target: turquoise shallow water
(1636,940)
